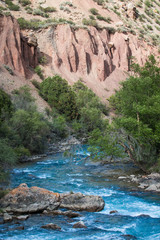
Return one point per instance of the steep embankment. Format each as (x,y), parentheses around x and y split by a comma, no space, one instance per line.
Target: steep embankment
(18,57)
(101,58)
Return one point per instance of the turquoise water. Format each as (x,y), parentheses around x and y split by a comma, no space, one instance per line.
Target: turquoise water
(138,212)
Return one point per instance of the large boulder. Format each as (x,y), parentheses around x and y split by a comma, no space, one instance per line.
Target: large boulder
(34,199)
(29,200)
(81,202)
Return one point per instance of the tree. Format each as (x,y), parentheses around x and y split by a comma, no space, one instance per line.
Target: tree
(137,104)
(56,91)
(31,130)
(137,123)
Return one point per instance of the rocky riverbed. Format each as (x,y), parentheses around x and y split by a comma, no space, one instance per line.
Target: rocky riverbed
(150,182)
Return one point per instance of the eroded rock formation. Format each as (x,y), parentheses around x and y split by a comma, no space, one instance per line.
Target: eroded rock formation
(16,51)
(100,57)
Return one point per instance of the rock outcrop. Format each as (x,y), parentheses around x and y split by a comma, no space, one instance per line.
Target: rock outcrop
(34,199)
(81,202)
(29,200)
(101,58)
(16,51)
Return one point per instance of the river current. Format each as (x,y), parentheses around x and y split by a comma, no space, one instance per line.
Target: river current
(138,214)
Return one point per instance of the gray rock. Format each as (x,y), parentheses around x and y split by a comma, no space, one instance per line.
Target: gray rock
(69,213)
(79,225)
(22,217)
(7,217)
(81,202)
(152,187)
(51,226)
(24,200)
(29,200)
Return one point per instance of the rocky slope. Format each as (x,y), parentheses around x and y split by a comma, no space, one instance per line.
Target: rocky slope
(100,56)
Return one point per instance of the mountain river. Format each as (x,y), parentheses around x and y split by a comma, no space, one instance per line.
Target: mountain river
(138,214)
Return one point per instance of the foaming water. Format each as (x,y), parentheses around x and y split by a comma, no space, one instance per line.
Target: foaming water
(138,213)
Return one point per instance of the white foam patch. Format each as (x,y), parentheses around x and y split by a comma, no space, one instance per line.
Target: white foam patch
(44,176)
(132,207)
(23,170)
(47,162)
(103,192)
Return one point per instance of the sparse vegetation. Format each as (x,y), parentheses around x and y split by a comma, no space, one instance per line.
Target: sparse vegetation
(94,11)
(9,69)
(12,6)
(90,22)
(39,72)
(24,2)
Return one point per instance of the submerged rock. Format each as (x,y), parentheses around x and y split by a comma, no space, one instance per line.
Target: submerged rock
(128,237)
(69,213)
(81,202)
(51,226)
(79,225)
(18,228)
(113,211)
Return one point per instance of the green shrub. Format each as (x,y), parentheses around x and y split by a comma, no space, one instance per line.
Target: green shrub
(5,105)
(29,10)
(32,24)
(99,2)
(31,130)
(22,99)
(39,12)
(90,22)
(59,95)
(148,3)
(36,84)
(25,2)
(101,18)
(94,11)
(9,69)
(12,6)
(48,9)
(39,72)
(42,60)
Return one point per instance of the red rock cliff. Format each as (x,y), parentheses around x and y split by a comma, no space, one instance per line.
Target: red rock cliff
(16,51)
(100,57)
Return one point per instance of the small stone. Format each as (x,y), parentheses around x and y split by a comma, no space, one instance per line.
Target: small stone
(79,225)
(152,187)
(51,226)
(7,217)
(122,177)
(72,214)
(18,228)
(113,211)
(23,217)
(143,185)
(128,237)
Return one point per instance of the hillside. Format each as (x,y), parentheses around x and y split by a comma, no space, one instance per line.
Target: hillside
(92,40)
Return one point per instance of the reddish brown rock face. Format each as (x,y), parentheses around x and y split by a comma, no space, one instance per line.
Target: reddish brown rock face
(14,48)
(102,59)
